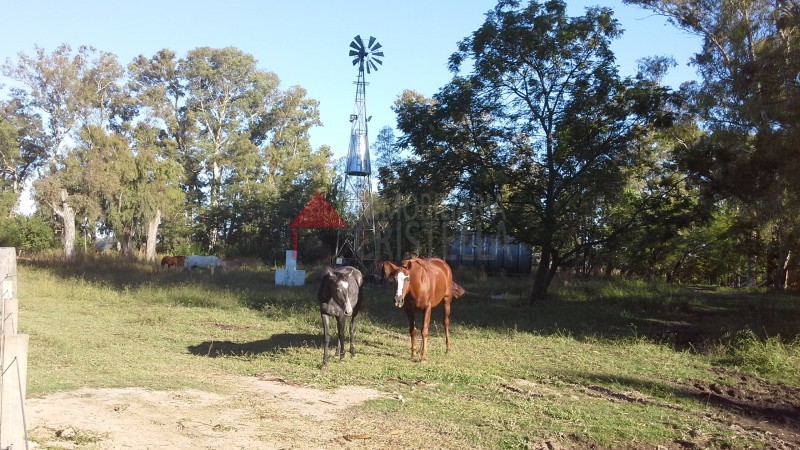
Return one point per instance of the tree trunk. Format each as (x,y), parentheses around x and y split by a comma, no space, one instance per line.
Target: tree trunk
(216,187)
(152,235)
(555,263)
(791,271)
(540,283)
(127,241)
(751,271)
(67,215)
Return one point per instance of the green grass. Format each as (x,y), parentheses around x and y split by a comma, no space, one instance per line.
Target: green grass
(604,362)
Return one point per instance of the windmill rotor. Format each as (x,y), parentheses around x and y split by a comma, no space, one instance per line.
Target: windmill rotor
(367,56)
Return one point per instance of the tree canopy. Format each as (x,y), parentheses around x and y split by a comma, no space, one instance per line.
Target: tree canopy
(537,137)
(207,144)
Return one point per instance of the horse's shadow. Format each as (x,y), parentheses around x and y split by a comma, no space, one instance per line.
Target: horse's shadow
(274,343)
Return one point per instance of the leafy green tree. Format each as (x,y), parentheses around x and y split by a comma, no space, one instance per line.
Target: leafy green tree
(157,183)
(384,149)
(226,96)
(543,125)
(166,138)
(21,152)
(243,143)
(65,91)
(747,96)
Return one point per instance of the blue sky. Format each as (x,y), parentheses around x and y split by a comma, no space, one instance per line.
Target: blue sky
(305,42)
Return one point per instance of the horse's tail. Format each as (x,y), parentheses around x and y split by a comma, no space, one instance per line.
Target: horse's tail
(458,291)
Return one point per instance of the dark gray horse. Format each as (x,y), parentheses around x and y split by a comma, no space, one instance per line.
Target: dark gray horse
(339,296)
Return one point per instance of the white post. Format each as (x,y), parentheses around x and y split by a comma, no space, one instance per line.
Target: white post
(10,315)
(8,272)
(290,276)
(13,358)
(15,375)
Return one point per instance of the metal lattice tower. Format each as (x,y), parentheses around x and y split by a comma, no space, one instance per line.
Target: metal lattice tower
(355,245)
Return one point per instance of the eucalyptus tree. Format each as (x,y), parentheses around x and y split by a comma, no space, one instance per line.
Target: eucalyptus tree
(242,141)
(162,140)
(156,182)
(65,91)
(21,152)
(226,96)
(286,172)
(748,96)
(542,126)
(96,174)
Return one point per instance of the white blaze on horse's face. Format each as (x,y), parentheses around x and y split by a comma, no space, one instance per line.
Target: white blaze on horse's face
(341,288)
(399,296)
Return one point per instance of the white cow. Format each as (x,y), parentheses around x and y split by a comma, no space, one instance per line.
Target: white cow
(203,262)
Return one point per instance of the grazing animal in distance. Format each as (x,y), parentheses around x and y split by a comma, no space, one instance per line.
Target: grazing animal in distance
(210,262)
(169,262)
(423,284)
(339,296)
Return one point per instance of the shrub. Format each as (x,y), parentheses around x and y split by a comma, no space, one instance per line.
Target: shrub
(768,356)
(27,234)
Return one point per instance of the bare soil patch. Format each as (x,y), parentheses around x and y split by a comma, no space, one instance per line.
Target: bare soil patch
(753,408)
(262,413)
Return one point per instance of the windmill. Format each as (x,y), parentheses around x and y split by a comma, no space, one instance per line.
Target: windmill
(356,245)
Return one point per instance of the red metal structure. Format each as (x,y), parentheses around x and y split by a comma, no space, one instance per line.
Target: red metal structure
(317,213)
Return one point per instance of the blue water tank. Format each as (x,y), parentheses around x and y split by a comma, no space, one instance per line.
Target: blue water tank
(358,156)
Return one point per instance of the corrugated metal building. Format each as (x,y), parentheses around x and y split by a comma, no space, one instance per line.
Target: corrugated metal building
(492,253)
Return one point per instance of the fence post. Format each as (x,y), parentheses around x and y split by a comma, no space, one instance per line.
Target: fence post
(13,358)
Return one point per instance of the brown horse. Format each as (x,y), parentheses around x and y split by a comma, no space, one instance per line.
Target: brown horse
(172,261)
(422,284)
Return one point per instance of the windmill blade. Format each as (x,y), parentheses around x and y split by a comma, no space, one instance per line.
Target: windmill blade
(366,56)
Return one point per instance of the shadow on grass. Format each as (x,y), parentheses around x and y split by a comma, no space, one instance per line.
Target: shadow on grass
(682,318)
(277,342)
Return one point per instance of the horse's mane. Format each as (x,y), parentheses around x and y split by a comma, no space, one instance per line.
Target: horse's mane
(419,261)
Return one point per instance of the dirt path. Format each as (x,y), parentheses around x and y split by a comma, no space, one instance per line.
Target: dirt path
(266,413)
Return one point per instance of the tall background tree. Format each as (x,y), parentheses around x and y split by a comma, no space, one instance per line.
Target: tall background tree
(65,91)
(747,99)
(542,125)
(208,143)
